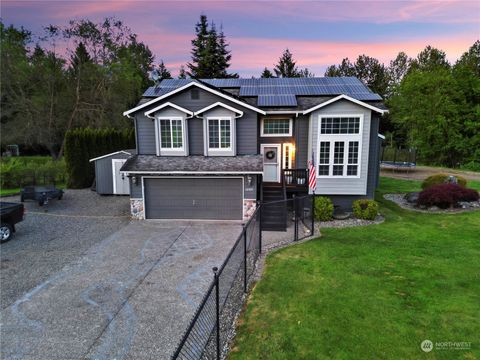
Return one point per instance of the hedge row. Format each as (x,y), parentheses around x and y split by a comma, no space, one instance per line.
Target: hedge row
(83,144)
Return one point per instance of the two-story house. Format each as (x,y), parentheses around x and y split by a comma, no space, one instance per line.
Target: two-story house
(211,149)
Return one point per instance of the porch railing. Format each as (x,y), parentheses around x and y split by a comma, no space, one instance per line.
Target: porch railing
(295,177)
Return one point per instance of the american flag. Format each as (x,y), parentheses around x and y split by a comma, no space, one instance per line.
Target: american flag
(312,179)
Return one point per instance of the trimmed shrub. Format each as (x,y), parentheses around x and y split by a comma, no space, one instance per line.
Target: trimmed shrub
(365,209)
(81,145)
(446,195)
(441,179)
(323,208)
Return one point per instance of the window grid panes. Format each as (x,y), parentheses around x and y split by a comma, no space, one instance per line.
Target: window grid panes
(219,134)
(338,152)
(213,138)
(166,140)
(224,134)
(276,126)
(171,136)
(340,125)
(177,139)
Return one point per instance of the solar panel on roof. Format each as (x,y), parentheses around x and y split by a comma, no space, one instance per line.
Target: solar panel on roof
(350,86)
(277,100)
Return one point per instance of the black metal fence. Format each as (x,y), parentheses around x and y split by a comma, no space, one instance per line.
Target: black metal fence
(210,330)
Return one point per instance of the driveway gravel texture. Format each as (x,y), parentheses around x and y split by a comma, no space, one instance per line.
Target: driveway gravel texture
(99,286)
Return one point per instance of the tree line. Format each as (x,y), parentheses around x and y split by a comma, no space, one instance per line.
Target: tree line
(47,90)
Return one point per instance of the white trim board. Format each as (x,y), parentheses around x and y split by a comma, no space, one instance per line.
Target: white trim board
(190,84)
(348,98)
(107,155)
(179,108)
(218,103)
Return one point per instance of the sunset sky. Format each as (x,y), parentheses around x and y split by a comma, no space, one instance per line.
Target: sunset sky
(319,33)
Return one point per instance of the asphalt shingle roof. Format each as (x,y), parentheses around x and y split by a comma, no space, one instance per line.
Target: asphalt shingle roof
(225,164)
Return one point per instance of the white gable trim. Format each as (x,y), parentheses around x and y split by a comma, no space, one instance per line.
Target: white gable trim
(201,86)
(346,97)
(107,155)
(218,103)
(188,112)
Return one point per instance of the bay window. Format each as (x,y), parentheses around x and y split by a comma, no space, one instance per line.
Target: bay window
(339,143)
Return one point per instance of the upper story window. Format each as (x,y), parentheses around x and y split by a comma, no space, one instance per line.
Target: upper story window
(339,144)
(276,127)
(219,133)
(171,134)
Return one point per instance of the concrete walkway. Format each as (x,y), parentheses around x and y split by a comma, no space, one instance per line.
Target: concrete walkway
(130,297)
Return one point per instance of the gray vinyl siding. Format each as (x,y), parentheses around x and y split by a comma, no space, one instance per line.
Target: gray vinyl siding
(104,173)
(136,190)
(337,185)
(145,130)
(301,141)
(195,136)
(246,126)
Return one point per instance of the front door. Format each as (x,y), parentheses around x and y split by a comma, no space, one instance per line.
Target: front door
(121,185)
(271,162)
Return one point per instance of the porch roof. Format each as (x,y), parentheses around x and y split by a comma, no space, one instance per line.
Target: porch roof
(241,164)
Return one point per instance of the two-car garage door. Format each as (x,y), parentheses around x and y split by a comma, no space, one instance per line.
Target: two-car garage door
(193,198)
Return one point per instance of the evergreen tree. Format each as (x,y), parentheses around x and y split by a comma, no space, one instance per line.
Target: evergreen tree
(210,56)
(306,73)
(286,66)
(163,72)
(199,66)
(224,56)
(346,68)
(266,73)
(182,74)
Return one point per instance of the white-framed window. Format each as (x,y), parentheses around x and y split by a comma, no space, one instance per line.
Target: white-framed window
(276,127)
(171,133)
(339,145)
(219,133)
(171,138)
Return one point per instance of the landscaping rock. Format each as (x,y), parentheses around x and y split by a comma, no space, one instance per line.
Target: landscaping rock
(412,197)
(400,200)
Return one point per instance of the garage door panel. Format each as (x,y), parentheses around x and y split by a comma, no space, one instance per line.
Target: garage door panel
(194,198)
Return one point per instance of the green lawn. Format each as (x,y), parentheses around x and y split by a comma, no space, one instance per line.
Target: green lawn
(370,293)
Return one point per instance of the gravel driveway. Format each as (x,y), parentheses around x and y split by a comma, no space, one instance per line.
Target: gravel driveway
(55,235)
(129,295)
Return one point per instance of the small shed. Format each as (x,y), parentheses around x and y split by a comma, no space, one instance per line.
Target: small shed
(108,179)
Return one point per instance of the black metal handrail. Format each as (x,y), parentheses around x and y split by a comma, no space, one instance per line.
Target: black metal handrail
(295,177)
(205,334)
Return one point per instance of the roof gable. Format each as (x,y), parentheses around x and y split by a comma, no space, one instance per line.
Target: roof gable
(188,85)
(348,98)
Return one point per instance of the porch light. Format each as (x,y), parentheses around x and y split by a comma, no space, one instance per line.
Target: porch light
(134,180)
(249,180)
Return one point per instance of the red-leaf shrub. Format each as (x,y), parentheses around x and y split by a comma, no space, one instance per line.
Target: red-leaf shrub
(446,195)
